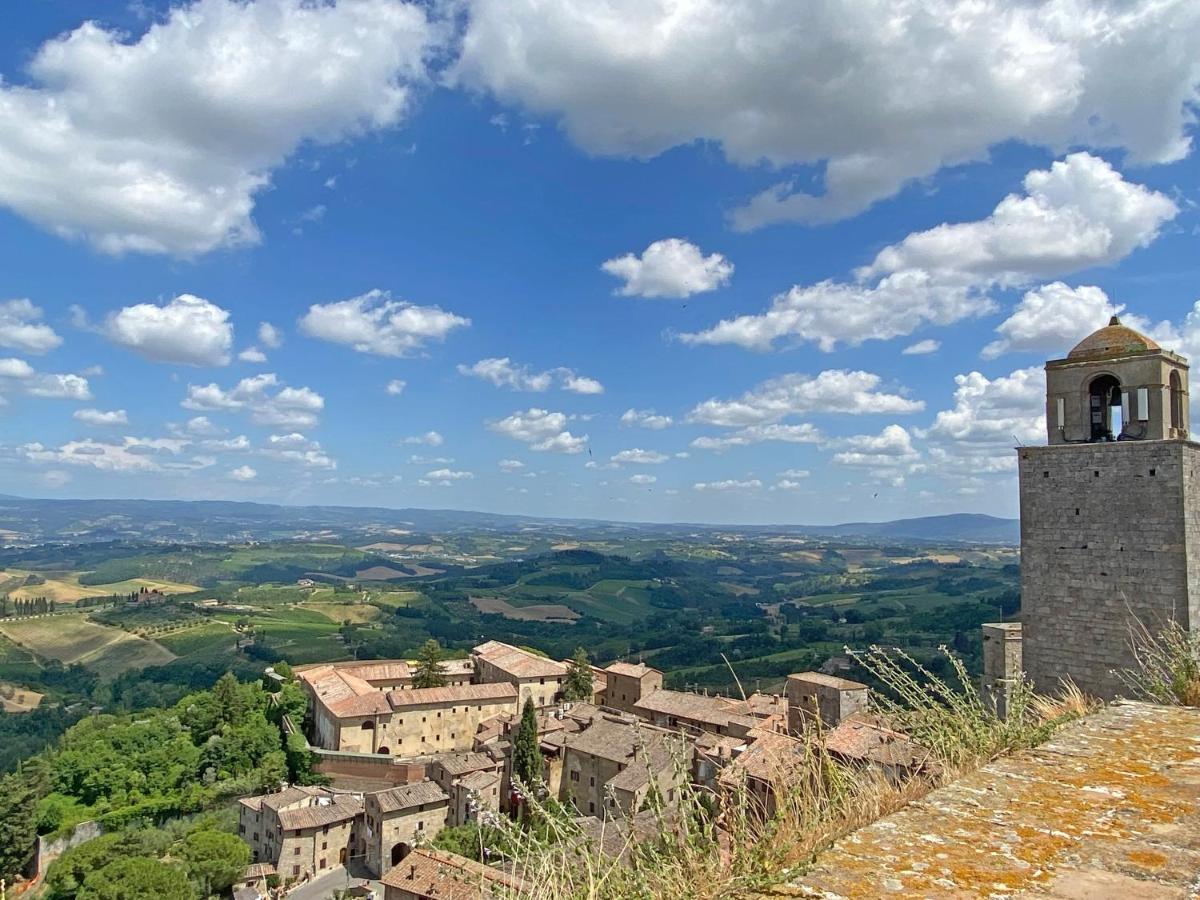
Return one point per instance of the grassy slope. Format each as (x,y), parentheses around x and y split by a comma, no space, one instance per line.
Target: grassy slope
(73,639)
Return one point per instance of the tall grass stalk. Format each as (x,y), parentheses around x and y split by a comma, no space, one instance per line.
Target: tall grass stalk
(1166,663)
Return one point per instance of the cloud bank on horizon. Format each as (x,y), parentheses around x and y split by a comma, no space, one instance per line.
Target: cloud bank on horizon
(276,246)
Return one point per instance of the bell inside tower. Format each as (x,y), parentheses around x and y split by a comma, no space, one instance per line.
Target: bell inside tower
(1104,406)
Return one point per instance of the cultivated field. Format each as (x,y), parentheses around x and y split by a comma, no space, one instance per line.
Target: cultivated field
(64,587)
(543,612)
(14,699)
(73,639)
(201,643)
(356,613)
(393,599)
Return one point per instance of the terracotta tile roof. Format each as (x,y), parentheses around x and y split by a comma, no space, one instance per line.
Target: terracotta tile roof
(447,876)
(339,810)
(767,705)
(461,693)
(343,693)
(831,681)
(463,763)
(867,738)
(720,711)
(519,663)
(284,798)
(770,758)
(631,670)
(479,781)
(258,870)
(407,796)
(660,755)
(380,670)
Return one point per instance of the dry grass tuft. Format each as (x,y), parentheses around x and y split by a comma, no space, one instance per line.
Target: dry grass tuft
(1166,664)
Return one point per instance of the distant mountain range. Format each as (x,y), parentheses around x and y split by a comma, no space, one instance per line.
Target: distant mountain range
(967,527)
(24,520)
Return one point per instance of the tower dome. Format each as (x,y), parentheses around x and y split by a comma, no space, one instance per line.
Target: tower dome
(1111,341)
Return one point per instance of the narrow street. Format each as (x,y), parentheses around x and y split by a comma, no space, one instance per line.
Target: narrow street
(338,879)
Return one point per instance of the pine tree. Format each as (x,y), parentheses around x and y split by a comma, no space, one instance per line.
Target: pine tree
(527,758)
(429,666)
(579,685)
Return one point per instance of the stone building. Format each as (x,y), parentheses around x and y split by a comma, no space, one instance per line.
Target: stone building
(627,683)
(394,821)
(609,767)
(1110,511)
(436,720)
(353,715)
(302,831)
(534,676)
(680,709)
(471,781)
(827,699)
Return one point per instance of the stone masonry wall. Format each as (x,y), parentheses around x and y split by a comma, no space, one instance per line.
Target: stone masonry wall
(1104,537)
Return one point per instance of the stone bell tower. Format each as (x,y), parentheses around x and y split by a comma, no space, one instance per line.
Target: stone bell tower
(1110,511)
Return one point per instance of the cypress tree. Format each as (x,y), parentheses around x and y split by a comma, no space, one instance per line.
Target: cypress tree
(527,758)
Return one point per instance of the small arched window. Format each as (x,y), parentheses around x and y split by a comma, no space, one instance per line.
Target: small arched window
(368,726)
(1176,400)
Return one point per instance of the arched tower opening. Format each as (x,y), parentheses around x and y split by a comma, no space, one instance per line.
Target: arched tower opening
(1104,408)
(1177,402)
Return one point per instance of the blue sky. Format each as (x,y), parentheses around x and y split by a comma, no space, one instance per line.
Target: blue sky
(659,261)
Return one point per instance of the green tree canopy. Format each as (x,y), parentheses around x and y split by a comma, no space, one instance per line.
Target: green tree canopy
(19,797)
(136,878)
(214,860)
(579,684)
(67,875)
(429,672)
(527,758)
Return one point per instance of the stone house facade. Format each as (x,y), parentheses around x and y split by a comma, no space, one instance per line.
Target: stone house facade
(396,820)
(627,683)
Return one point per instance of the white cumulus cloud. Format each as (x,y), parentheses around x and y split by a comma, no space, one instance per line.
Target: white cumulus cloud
(503,372)
(101,418)
(671,268)
(638,456)
(922,348)
(429,439)
(264,398)
(646,418)
(830,391)
(187,330)
(375,323)
(160,142)
(243,473)
(875,93)
(269,335)
(1078,213)
(21,327)
(542,430)
(733,484)
(1052,319)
